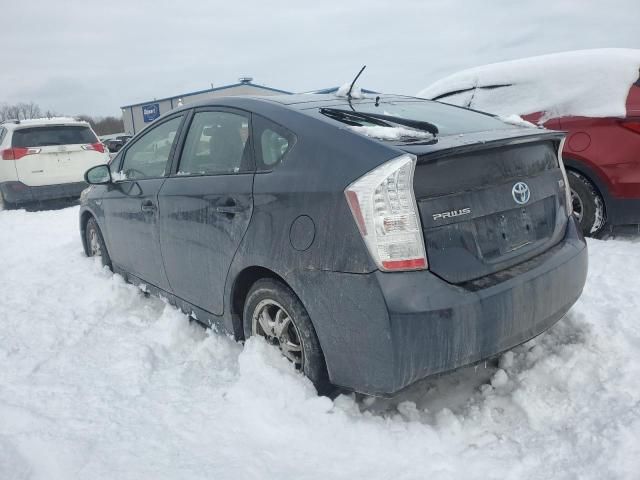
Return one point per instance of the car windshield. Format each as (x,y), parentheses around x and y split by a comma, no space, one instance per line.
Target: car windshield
(448,120)
(53,135)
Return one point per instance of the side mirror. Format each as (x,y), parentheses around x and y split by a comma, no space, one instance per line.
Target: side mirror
(98,175)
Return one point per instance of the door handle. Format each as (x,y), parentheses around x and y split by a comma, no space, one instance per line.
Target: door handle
(148,206)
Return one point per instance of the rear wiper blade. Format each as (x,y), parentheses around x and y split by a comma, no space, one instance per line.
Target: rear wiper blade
(352,118)
(380,119)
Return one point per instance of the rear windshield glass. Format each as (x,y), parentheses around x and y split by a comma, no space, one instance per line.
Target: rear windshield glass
(53,135)
(448,119)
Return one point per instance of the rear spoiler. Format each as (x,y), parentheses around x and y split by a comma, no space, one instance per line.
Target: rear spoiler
(456,144)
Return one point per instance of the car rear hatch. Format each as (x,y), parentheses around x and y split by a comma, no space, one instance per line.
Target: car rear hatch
(55,154)
(488,202)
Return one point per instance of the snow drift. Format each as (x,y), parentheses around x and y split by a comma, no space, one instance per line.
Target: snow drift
(100,382)
(591,83)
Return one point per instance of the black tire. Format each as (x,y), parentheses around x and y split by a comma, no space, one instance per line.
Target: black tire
(588,206)
(269,290)
(92,229)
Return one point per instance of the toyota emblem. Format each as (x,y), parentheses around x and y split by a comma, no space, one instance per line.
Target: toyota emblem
(521,193)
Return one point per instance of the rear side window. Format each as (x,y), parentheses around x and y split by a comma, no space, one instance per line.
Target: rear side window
(53,135)
(3,132)
(273,146)
(274,142)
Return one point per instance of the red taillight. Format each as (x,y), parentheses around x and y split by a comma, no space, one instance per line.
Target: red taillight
(16,153)
(384,208)
(98,147)
(633,125)
(413,264)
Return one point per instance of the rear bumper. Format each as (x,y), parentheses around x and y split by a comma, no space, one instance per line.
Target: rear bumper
(396,328)
(18,192)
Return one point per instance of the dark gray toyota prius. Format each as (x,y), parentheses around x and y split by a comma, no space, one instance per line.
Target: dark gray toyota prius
(374,241)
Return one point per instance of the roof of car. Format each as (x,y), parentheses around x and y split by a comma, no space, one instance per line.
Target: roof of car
(35,122)
(301,101)
(304,100)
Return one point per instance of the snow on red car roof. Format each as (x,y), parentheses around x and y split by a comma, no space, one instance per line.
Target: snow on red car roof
(590,83)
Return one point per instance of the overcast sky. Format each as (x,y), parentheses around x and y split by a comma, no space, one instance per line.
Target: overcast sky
(84,56)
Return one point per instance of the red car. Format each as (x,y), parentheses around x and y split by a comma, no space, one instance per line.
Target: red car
(593,95)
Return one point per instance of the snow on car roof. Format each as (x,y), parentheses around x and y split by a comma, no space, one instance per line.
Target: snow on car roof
(44,121)
(591,83)
(392,133)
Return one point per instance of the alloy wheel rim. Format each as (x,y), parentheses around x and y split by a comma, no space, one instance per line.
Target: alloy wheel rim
(578,207)
(94,244)
(271,321)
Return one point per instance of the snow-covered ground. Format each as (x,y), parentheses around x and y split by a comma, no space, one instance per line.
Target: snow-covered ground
(97,381)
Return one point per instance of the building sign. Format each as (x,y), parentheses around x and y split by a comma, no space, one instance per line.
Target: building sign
(150,112)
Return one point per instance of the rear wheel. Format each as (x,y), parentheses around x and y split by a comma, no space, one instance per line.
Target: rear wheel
(95,242)
(588,206)
(273,311)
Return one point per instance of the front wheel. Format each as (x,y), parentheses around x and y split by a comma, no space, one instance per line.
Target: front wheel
(273,311)
(588,206)
(95,243)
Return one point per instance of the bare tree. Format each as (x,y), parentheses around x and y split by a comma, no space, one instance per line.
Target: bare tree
(104,125)
(25,111)
(4,112)
(19,111)
(30,110)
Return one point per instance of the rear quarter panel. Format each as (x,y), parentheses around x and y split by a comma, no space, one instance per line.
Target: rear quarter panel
(608,149)
(308,187)
(310,182)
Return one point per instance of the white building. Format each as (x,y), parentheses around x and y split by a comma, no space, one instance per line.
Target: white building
(139,115)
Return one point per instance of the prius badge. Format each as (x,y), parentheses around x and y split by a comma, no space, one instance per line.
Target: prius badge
(451,214)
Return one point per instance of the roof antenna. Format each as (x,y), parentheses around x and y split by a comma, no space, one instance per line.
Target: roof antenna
(354,81)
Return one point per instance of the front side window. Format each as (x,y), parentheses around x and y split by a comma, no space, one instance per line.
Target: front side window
(217,143)
(148,157)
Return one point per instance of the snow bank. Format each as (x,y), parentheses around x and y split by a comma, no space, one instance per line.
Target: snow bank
(392,133)
(99,381)
(592,83)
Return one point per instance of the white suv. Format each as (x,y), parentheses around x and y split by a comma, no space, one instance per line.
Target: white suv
(45,159)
